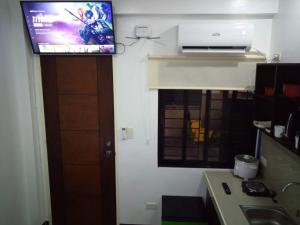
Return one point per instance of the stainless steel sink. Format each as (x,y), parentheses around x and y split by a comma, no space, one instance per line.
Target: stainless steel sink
(267,215)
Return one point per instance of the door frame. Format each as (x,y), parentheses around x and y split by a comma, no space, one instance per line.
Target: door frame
(39,134)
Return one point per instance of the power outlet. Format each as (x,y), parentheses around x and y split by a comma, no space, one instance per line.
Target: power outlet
(151,205)
(276,58)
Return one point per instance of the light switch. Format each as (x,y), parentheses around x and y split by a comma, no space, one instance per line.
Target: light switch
(124,133)
(151,205)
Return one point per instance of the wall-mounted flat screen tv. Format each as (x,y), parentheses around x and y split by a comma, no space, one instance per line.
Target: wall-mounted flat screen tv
(70,27)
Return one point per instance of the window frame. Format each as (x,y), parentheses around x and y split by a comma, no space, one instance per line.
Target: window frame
(184,163)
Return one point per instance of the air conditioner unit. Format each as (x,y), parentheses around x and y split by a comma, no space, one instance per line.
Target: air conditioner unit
(235,38)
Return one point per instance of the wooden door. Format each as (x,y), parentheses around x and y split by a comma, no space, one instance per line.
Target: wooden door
(79,115)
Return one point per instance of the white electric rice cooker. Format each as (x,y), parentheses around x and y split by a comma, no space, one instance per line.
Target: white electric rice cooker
(245,166)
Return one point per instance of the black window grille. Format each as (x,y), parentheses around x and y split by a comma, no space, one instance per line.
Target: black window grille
(199,128)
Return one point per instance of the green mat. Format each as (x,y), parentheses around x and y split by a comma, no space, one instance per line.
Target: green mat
(182,223)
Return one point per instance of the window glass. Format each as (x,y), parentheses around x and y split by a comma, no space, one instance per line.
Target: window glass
(204,128)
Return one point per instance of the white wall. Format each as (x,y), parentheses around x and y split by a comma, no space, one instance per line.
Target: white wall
(286,32)
(20,185)
(139,180)
(12,204)
(196,7)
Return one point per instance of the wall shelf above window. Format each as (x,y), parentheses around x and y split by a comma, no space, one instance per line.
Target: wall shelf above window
(256,57)
(203,72)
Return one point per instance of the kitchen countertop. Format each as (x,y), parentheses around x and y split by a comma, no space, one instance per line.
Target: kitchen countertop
(228,206)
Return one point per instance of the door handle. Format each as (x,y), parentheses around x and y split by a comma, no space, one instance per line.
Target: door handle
(108,152)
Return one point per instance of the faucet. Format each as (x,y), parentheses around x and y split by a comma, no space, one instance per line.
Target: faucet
(288,185)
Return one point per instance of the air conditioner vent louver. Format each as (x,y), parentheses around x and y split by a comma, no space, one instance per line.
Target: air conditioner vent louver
(216,47)
(215,38)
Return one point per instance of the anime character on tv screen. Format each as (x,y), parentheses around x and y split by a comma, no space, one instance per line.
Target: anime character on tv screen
(98,28)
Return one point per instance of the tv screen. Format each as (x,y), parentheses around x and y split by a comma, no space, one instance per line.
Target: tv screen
(70,27)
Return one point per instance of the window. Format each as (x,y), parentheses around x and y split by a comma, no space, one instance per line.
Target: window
(200,128)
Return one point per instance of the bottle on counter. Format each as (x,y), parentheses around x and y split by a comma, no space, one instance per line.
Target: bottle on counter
(297,141)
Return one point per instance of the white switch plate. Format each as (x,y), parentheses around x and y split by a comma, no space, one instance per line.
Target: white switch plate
(123,133)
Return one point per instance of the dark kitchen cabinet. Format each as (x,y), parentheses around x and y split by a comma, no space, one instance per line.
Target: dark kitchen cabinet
(277,94)
(211,213)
